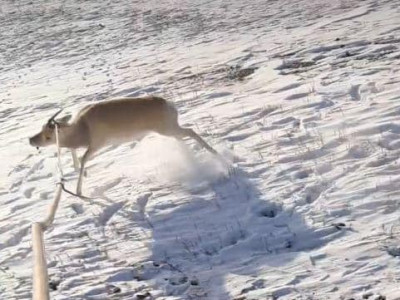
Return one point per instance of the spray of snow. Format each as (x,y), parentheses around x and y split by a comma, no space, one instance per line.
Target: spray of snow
(167,160)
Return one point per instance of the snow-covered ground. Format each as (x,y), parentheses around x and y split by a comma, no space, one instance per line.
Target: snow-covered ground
(303,97)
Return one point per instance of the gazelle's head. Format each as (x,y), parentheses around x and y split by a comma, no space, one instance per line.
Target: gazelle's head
(47,136)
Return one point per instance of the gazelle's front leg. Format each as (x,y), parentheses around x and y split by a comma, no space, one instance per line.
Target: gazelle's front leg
(85,158)
(75,160)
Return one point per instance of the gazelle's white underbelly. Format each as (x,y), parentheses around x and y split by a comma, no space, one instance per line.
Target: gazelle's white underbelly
(135,136)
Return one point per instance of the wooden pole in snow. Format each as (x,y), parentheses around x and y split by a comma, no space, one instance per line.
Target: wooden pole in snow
(40,274)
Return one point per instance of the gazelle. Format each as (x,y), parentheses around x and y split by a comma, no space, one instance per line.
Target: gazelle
(113,122)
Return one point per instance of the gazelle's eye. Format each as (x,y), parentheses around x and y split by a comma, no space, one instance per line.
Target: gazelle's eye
(52,126)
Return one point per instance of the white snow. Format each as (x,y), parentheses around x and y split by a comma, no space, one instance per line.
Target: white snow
(300,97)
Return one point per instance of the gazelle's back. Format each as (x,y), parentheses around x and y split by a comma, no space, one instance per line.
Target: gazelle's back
(128,118)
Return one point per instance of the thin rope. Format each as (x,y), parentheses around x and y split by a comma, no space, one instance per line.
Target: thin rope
(62,179)
(74,194)
(59,154)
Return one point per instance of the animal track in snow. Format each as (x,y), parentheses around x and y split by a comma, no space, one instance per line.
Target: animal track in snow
(28,192)
(288,87)
(109,211)
(100,190)
(17,237)
(297,96)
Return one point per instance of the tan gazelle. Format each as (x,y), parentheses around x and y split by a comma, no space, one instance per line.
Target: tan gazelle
(113,122)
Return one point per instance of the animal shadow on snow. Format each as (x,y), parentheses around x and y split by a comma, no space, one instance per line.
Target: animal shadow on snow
(235,230)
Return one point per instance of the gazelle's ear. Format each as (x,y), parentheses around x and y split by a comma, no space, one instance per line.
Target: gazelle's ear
(64,120)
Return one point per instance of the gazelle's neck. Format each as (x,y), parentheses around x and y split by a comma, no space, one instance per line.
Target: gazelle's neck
(71,136)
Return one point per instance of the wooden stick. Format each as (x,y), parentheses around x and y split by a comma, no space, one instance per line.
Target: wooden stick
(40,273)
(52,211)
(40,276)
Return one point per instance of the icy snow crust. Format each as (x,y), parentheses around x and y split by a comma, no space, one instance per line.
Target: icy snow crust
(302,97)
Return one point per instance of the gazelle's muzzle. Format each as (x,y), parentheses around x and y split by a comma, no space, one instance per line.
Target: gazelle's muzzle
(35,141)
(31,141)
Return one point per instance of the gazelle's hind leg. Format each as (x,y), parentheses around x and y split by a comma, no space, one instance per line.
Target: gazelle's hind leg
(190,132)
(181,132)
(184,132)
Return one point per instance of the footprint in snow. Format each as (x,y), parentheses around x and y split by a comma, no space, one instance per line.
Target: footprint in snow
(28,192)
(109,212)
(355,93)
